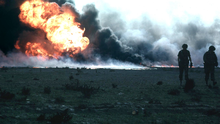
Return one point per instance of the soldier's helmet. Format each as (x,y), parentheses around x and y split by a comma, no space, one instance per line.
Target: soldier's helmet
(212,48)
(184,46)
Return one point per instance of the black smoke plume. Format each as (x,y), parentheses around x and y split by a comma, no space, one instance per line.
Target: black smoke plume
(10,26)
(103,41)
(112,37)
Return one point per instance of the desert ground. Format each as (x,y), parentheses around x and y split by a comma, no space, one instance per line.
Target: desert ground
(106,96)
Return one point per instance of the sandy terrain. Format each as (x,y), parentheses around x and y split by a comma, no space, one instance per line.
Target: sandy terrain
(121,96)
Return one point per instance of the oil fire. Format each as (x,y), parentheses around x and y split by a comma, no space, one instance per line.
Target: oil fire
(60,27)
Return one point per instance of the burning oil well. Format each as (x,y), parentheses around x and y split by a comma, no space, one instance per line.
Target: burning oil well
(35,32)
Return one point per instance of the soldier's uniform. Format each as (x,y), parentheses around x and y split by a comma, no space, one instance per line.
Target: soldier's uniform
(183,56)
(210,61)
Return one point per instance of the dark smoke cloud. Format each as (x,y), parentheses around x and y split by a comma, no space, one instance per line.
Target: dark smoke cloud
(139,37)
(157,43)
(9,25)
(113,37)
(61,2)
(103,40)
(198,35)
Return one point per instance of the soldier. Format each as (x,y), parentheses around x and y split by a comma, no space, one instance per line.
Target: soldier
(210,61)
(183,61)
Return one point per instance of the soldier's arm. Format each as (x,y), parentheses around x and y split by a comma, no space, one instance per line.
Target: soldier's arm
(216,61)
(204,57)
(178,59)
(190,58)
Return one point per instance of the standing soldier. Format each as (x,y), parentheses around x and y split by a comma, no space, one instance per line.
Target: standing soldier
(210,61)
(183,61)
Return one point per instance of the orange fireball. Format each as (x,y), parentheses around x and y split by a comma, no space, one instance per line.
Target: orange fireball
(59,25)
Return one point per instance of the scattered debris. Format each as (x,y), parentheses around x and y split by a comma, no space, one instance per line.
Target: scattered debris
(73,86)
(6,95)
(81,106)
(59,100)
(25,91)
(135,112)
(71,77)
(9,81)
(146,112)
(41,117)
(154,101)
(120,93)
(159,83)
(190,84)
(36,79)
(60,117)
(180,103)
(47,90)
(87,91)
(212,112)
(174,92)
(114,85)
(196,98)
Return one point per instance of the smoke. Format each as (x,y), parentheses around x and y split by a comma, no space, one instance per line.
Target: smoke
(148,33)
(154,32)
(18,59)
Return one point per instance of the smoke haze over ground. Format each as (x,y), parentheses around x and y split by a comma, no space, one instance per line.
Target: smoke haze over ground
(134,32)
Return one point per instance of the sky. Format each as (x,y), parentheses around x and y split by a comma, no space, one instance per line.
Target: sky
(161,11)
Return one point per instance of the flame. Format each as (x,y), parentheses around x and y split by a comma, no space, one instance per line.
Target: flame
(36,49)
(60,27)
(17,46)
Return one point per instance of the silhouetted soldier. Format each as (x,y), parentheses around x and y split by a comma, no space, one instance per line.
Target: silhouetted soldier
(183,61)
(210,61)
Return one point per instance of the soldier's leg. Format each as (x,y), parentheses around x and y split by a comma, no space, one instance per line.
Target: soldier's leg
(212,71)
(186,73)
(206,74)
(180,74)
(206,78)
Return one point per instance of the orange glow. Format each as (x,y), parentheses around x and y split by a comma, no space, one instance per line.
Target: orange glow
(60,28)
(165,66)
(35,49)
(17,46)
